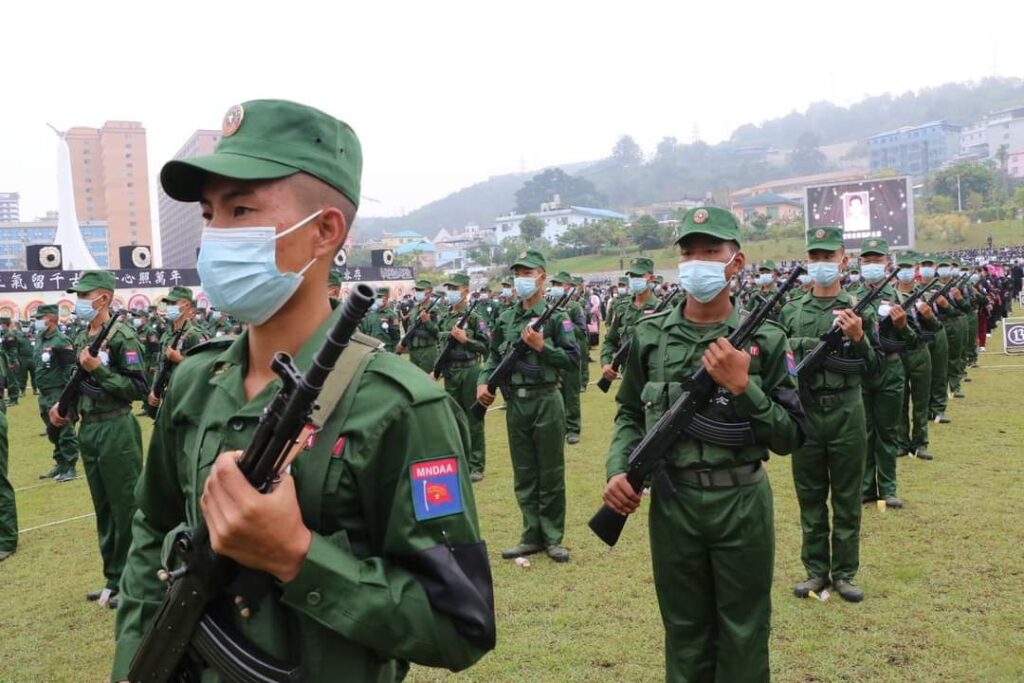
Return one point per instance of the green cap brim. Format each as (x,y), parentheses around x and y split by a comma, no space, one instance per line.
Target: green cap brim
(182,179)
(526,263)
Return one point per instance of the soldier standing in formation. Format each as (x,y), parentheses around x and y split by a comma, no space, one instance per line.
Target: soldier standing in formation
(382,323)
(570,378)
(423,345)
(55,363)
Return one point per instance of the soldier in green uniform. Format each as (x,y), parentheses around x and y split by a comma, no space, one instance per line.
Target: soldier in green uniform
(535,417)
(917,363)
(334,285)
(463,364)
(801,290)
(765,286)
(712,539)
(883,392)
(109,437)
(570,378)
(181,319)
(831,460)
(583,337)
(9,342)
(357,534)
(489,308)
(423,345)
(382,322)
(952,318)
(938,347)
(8,509)
(964,302)
(853,276)
(626,315)
(55,363)
(26,367)
(148,331)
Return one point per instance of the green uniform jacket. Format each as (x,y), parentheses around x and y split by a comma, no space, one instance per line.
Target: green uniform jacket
(620,330)
(193,336)
(426,332)
(359,602)
(55,360)
(383,325)
(666,351)
(120,379)
(560,349)
(477,332)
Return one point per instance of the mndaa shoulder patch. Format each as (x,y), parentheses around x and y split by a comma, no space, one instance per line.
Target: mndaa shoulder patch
(435,488)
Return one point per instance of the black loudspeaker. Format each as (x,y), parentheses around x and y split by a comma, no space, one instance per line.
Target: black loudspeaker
(341,258)
(382,257)
(43,257)
(135,257)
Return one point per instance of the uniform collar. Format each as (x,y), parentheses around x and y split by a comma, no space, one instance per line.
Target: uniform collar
(677,319)
(537,309)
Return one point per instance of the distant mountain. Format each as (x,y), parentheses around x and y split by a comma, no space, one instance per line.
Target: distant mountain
(677,170)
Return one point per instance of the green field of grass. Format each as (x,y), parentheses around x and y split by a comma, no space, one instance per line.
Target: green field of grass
(1004,233)
(943,577)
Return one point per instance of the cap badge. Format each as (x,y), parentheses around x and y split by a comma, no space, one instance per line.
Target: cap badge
(873,243)
(232,121)
(700,216)
(522,254)
(819,234)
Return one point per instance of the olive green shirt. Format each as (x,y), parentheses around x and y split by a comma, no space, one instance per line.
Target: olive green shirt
(55,360)
(624,320)
(383,325)
(666,351)
(560,350)
(120,379)
(357,604)
(477,333)
(426,331)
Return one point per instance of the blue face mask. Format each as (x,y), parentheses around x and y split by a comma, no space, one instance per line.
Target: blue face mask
(525,286)
(945,271)
(703,280)
(375,306)
(928,272)
(637,285)
(823,273)
(764,279)
(39,324)
(454,297)
(506,292)
(557,292)
(854,277)
(84,310)
(804,279)
(137,323)
(419,297)
(975,278)
(238,270)
(873,272)
(173,313)
(214,316)
(905,275)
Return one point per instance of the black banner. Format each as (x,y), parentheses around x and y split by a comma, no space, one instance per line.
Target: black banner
(375,273)
(60,280)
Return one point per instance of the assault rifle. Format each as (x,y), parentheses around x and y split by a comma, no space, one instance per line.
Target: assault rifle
(619,359)
(403,343)
(68,400)
(442,359)
(164,376)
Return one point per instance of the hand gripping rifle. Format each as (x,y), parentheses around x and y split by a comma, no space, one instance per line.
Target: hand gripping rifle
(619,359)
(649,455)
(442,359)
(832,339)
(507,366)
(185,629)
(403,343)
(68,400)
(164,376)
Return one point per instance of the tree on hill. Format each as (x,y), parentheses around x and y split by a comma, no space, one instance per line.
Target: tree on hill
(646,233)
(531,228)
(806,158)
(978,183)
(544,186)
(627,152)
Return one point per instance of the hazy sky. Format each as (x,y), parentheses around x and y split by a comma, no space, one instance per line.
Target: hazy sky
(444,94)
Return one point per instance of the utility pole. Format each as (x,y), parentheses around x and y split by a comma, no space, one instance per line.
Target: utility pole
(959,199)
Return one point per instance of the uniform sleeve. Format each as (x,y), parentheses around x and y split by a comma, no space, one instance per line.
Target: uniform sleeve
(478,335)
(772,408)
(129,384)
(611,340)
(630,423)
(494,351)
(427,597)
(161,508)
(561,351)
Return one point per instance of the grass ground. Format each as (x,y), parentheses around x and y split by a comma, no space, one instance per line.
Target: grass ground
(943,577)
(1004,233)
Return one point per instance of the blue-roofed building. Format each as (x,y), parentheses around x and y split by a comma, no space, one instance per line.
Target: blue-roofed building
(775,206)
(425,253)
(915,150)
(557,219)
(393,240)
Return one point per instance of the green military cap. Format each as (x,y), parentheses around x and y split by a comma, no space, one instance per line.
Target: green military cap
(660,279)
(623,280)
(853,266)
(941,260)
(384,290)
(457,280)
(562,278)
(768,265)
(640,266)
(270,139)
(507,282)
(926,258)
(954,262)
(47,309)
(424,284)
(334,279)
(531,258)
(827,239)
(711,221)
(874,245)
(906,259)
(178,294)
(577,280)
(94,279)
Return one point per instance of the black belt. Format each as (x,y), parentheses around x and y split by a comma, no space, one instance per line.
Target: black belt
(720,478)
(109,415)
(827,400)
(528,391)
(460,364)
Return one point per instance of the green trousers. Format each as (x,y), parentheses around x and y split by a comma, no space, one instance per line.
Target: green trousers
(831,460)
(536,441)
(63,439)
(971,340)
(955,335)
(571,399)
(424,357)
(112,455)
(26,369)
(8,510)
(713,553)
(917,387)
(939,349)
(883,405)
(460,383)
